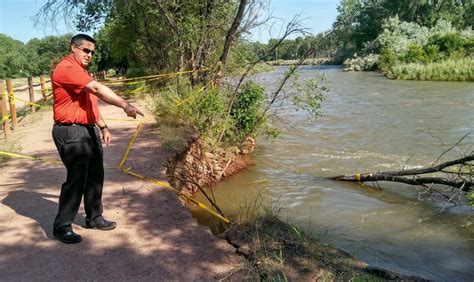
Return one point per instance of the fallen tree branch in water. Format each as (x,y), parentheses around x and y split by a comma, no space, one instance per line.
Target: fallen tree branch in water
(457,173)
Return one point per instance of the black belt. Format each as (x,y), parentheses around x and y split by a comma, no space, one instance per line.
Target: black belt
(74,124)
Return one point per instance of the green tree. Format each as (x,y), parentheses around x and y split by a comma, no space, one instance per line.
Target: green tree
(361,21)
(13,60)
(46,52)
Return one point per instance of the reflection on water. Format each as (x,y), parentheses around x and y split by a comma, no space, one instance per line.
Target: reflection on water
(369,123)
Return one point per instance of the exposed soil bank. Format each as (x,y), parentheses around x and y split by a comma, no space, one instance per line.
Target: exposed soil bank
(191,166)
(273,248)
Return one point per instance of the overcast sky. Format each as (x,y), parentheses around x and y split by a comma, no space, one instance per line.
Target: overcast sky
(16,18)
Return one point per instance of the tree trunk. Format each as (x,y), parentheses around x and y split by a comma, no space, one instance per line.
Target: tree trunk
(230,38)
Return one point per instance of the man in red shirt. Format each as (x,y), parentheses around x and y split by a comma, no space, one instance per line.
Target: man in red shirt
(77,121)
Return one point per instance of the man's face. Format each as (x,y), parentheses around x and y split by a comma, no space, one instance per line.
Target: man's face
(83,53)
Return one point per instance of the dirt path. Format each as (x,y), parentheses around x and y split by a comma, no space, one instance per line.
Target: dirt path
(156,238)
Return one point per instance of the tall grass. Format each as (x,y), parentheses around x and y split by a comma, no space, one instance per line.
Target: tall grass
(448,70)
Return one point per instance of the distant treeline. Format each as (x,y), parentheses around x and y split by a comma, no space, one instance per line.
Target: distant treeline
(401,38)
(34,58)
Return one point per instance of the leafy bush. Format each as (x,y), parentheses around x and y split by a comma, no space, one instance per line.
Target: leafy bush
(206,110)
(469,46)
(450,43)
(246,111)
(367,63)
(399,35)
(432,53)
(137,71)
(470,198)
(387,60)
(210,109)
(415,53)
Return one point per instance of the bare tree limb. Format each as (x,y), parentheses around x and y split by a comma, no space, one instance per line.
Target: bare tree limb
(456,180)
(364,177)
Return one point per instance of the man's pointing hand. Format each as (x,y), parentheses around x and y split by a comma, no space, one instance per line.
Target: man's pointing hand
(132,111)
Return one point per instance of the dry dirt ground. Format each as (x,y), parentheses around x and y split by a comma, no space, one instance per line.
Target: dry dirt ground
(156,238)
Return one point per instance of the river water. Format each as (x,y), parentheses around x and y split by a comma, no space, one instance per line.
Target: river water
(369,123)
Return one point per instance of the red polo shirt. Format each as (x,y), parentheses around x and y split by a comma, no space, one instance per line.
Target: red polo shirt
(71,103)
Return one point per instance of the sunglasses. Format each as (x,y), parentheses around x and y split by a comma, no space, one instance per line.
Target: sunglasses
(86,50)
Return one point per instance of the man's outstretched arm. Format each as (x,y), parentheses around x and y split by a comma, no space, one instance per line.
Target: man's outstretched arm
(107,95)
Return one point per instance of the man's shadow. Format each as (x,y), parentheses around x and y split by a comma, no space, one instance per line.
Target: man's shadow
(37,207)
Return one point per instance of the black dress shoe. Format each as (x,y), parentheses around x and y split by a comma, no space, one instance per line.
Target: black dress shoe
(101,224)
(67,236)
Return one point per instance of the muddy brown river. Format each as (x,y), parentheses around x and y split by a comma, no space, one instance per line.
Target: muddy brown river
(369,123)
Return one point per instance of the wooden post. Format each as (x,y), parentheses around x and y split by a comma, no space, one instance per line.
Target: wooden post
(43,89)
(3,110)
(11,102)
(32,94)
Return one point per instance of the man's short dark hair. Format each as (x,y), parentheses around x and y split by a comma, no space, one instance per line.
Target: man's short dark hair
(77,39)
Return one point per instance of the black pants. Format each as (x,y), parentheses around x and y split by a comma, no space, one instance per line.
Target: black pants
(80,149)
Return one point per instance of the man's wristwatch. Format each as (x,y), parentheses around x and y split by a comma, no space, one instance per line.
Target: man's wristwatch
(103,127)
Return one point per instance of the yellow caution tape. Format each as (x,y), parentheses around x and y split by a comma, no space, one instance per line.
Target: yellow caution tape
(156,76)
(137,90)
(197,92)
(122,119)
(167,185)
(161,183)
(357,176)
(127,151)
(29,103)
(39,159)
(11,98)
(29,157)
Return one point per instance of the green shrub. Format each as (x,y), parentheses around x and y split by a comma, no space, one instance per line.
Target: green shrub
(399,35)
(246,111)
(415,54)
(174,105)
(367,63)
(450,43)
(470,198)
(210,109)
(387,60)
(469,46)
(432,53)
(183,105)
(137,71)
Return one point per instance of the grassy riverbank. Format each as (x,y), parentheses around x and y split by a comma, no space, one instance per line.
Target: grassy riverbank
(280,251)
(449,70)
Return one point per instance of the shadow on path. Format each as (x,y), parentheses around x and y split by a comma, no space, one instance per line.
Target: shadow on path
(38,207)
